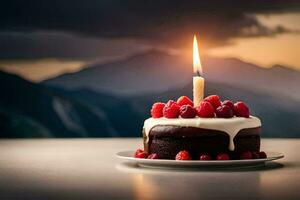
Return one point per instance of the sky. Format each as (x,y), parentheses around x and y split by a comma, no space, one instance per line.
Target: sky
(42,39)
(282,49)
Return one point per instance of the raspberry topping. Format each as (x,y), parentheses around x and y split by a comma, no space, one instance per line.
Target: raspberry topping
(262,154)
(205,157)
(223,156)
(187,111)
(171,109)
(153,156)
(241,109)
(246,155)
(157,110)
(183,155)
(224,112)
(184,100)
(228,103)
(138,151)
(214,100)
(205,110)
(140,154)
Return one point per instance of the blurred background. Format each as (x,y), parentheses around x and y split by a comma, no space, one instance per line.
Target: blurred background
(94,68)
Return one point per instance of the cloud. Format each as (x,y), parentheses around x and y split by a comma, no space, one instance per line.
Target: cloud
(45,44)
(72,32)
(168,21)
(256,29)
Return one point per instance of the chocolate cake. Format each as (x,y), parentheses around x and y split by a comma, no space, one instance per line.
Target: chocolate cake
(166,137)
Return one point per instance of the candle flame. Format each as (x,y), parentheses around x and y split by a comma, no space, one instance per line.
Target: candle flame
(196,58)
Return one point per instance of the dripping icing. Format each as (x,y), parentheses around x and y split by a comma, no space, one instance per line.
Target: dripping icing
(231,126)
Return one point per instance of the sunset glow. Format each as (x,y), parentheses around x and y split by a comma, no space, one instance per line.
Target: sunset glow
(39,70)
(266,51)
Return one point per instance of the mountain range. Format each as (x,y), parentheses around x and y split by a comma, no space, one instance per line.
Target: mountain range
(113,99)
(33,110)
(157,71)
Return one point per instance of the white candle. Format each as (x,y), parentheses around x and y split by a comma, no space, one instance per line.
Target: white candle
(198,81)
(198,88)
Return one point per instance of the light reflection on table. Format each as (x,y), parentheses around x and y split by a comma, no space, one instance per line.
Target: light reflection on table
(88,169)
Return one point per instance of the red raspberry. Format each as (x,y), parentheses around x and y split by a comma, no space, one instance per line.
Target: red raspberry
(157,110)
(171,109)
(223,156)
(183,155)
(205,157)
(214,100)
(184,100)
(255,155)
(153,156)
(241,109)
(246,155)
(262,154)
(228,103)
(138,151)
(205,110)
(187,111)
(224,112)
(140,154)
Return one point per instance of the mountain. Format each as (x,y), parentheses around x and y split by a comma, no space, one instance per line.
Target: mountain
(278,80)
(148,73)
(157,71)
(273,93)
(113,99)
(32,110)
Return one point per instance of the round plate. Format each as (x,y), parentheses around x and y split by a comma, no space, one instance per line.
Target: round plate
(163,163)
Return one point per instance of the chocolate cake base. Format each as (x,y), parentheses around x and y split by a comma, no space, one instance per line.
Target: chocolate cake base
(168,140)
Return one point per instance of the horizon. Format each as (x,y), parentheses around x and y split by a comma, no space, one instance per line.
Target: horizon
(31,70)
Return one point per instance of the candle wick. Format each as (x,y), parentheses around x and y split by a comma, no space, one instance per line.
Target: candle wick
(197,73)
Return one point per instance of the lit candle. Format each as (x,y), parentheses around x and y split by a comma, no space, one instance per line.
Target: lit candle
(198,81)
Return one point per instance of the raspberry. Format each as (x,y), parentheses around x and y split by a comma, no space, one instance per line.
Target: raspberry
(214,100)
(157,110)
(246,155)
(138,151)
(184,100)
(223,156)
(187,111)
(228,103)
(205,110)
(205,157)
(255,155)
(171,109)
(183,155)
(140,154)
(241,109)
(262,154)
(224,112)
(153,156)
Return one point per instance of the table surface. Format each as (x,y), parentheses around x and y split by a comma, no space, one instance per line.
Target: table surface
(89,169)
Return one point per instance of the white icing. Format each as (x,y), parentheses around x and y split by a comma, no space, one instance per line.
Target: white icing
(231,126)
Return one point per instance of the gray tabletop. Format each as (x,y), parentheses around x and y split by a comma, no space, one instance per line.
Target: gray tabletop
(88,169)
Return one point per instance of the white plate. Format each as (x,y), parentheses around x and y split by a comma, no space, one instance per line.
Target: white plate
(163,163)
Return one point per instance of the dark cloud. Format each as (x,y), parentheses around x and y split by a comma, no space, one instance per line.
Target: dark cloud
(164,22)
(45,44)
(160,19)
